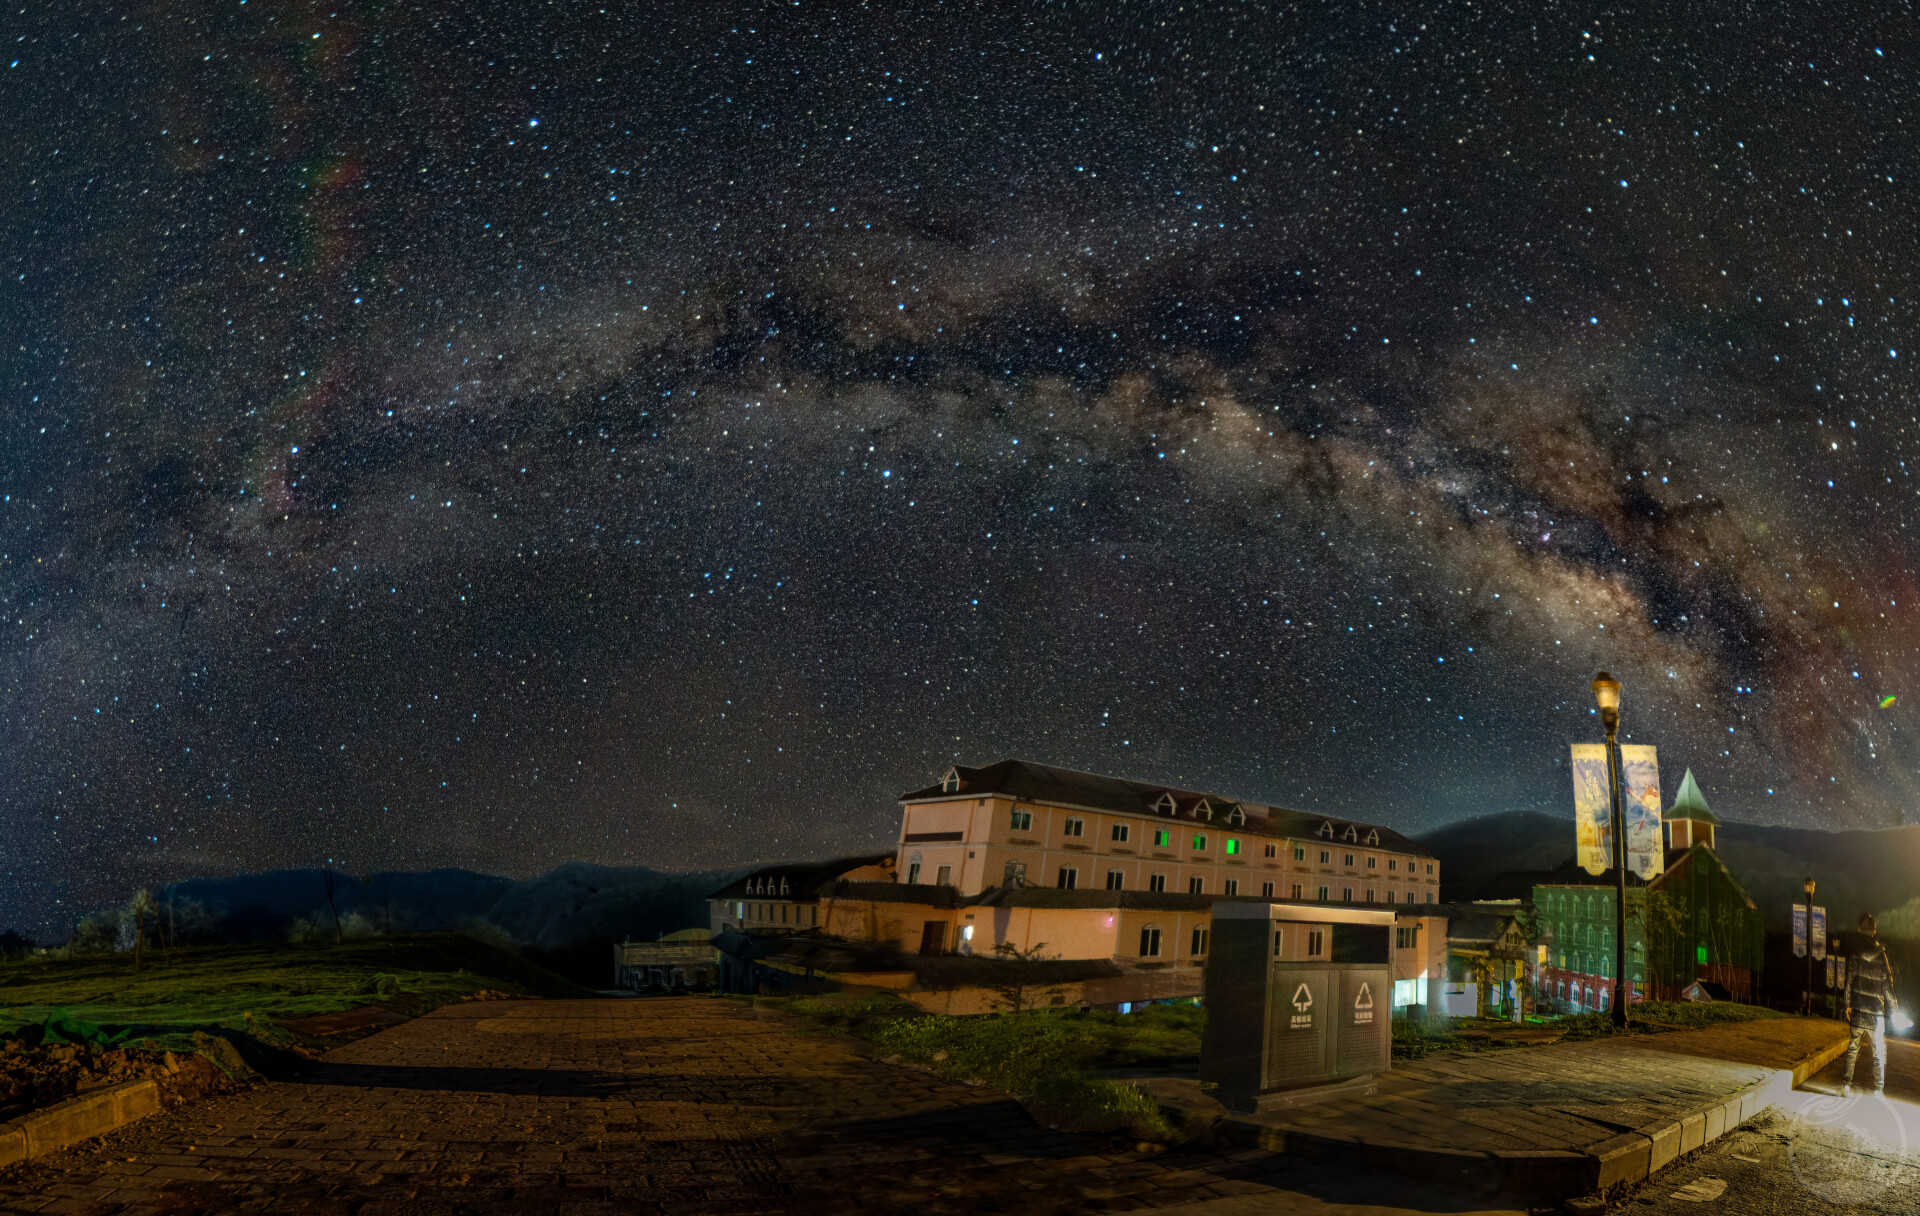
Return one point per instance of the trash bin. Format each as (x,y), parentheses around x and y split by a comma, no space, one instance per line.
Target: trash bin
(1297,995)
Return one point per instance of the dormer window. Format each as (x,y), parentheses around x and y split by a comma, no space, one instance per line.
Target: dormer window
(1203,810)
(1165,805)
(1373,836)
(1237,817)
(783,885)
(1352,833)
(950,781)
(1325,829)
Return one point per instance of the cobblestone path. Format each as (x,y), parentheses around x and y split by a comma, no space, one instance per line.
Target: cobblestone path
(628,1106)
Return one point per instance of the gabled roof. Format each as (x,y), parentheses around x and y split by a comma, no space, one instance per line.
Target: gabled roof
(1043,783)
(1689,803)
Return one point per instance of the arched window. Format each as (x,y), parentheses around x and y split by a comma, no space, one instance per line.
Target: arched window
(1074,826)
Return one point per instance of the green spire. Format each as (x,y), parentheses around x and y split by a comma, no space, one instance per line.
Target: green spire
(1689,803)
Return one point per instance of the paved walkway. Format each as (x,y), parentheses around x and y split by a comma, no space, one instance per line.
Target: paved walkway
(641,1106)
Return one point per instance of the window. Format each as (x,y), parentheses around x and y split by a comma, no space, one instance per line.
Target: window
(1266,890)
(1115,880)
(1233,886)
(1273,850)
(1369,894)
(1276,943)
(1429,897)
(1299,852)
(1150,942)
(1162,838)
(1157,882)
(1373,863)
(783,914)
(1406,937)
(1323,895)
(1296,891)
(1199,841)
(913,872)
(1346,859)
(1199,941)
(1346,895)
(1023,821)
(943,876)
(1203,810)
(1326,858)
(1390,894)
(1196,886)
(1429,867)
(1074,826)
(1316,942)
(1069,878)
(1120,832)
(950,784)
(1165,805)
(1393,863)
(1325,829)
(1233,848)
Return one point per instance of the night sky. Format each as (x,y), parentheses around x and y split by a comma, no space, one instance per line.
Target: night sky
(490,434)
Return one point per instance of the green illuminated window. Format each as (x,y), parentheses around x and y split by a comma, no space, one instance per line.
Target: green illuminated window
(1700,954)
(1199,840)
(1233,846)
(1162,837)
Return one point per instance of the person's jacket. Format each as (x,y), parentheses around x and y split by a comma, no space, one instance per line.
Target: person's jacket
(1870,985)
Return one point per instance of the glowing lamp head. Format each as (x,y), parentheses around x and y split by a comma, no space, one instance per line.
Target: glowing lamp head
(1606,693)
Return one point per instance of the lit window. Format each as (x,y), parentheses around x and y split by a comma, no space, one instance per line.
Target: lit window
(1157,882)
(1199,941)
(1162,838)
(1120,832)
(1150,941)
(1069,878)
(1199,841)
(1233,848)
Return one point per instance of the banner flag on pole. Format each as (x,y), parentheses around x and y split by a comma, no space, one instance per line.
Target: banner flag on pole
(1818,932)
(1830,962)
(1592,817)
(1799,930)
(1640,807)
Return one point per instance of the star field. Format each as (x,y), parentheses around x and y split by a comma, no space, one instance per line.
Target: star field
(490,434)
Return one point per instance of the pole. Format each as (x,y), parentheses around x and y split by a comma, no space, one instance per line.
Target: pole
(1620,873)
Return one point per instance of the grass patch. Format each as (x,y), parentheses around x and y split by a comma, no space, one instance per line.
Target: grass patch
(1043,1056)
(234,984)
(1658,1017)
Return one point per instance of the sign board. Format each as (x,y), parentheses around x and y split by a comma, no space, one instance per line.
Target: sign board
(1839,972)
(1799,930)
(1830,961)
(1592,808)
(1817,931)
(1640,807)
(1363,1005)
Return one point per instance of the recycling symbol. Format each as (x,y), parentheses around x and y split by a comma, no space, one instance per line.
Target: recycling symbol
(1365,999)
(1302,999)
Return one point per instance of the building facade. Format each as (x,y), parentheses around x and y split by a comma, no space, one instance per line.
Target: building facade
(1110,881)
(1020,824)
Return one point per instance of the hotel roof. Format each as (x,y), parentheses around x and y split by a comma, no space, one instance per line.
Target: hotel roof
(1026,781)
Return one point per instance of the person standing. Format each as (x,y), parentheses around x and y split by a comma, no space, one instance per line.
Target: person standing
(1869,1004)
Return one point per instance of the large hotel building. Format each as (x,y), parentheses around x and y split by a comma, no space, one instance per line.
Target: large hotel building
(1111,882)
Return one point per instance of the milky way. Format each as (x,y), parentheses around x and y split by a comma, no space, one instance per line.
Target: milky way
(493,434)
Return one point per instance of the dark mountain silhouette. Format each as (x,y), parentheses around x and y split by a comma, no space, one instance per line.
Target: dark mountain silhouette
(1502,855)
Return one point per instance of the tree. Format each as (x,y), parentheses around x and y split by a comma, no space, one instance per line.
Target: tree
(141,906)
(1669,961)
(1017,974)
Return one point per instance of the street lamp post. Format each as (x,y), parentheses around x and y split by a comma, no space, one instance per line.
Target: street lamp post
(1606,694)
(1806,998)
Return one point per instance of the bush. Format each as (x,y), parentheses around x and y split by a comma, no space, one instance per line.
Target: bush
(1079,1103)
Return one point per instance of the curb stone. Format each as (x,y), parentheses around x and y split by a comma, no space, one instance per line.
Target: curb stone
(76,1119)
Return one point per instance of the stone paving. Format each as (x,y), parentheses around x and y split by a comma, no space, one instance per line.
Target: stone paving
(633,1106)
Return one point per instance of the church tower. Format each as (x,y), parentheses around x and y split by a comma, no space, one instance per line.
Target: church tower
(1689,822)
